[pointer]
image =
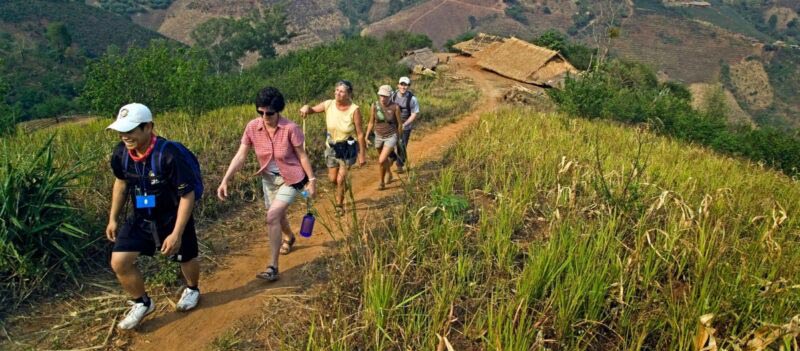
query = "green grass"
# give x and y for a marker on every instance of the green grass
(546, 231)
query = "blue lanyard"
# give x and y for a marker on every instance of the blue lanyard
(142, 179)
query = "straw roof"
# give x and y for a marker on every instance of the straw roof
(423, 57)
(477, 44)
(525, 62)
(488, 50)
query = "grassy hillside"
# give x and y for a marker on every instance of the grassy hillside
(543, 231)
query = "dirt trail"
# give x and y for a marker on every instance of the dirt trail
(233, 293)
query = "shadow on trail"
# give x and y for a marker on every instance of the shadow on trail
(219, 299)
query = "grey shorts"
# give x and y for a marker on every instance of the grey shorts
(276, 189)
(381, 142)
(332, 162)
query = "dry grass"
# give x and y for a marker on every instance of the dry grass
(543, 231)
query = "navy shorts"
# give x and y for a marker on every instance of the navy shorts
(136, 235)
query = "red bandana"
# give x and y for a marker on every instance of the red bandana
(146, 153)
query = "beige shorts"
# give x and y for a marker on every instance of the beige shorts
(275, 189)
(381, 142)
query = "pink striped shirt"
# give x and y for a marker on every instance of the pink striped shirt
(280, 147)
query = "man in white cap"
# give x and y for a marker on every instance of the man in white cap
(409, 109)
(157, 177)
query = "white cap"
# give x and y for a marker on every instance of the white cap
(130, 116)
(405, 80)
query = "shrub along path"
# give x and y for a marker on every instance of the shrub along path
(233, 293)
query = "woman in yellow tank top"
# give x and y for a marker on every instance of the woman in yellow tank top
(345, 142)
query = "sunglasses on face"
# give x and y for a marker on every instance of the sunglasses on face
(267, 113)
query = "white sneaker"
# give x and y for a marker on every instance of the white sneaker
(188, 300)
(136, 314)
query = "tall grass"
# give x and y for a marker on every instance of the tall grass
(543, 231)
(38, 227)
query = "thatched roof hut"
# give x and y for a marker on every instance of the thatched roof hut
(422, 57)
(525, 62)
(477, 44)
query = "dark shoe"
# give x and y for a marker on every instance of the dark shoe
(270, 274)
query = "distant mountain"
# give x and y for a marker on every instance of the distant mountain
(733, 42)
(45, 47)
(92, 29)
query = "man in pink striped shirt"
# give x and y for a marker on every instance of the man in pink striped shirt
(284, 168)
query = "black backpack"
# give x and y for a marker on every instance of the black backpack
(188, 155)
(407, 105)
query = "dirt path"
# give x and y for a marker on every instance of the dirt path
(233, 293)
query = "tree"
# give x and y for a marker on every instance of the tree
(552, 39)
(715, 105)
(8, 117)
(163, 76)
(58, 38)
(228, 39)
(773, 22)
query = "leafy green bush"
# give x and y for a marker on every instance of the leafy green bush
(578, 55)
(312, 73)
(463, 37)
(39, 229)
(164, 76)
(516, 12)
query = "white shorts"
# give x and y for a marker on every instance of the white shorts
(275, 189)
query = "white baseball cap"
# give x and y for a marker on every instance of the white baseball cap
(130, 116)
(405, 80)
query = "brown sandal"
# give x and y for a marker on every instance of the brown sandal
(287, 245)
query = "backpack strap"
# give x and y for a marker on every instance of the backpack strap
(153, 162)
(125, 161)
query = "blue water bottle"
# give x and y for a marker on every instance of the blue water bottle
(307, 227)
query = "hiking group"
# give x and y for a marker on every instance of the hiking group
(162, 181)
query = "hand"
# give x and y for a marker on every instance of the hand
(311, 188)
(171, 245)
(369, 143)
(111, 231)
(222, 190)
(304, 111)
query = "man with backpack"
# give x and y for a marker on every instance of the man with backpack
(409, 109)
(162, 179)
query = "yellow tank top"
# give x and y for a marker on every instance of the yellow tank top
(340, 123)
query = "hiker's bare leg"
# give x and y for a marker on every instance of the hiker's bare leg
(275, 215)
(124, 266)
(333, 175)
(286, 229)
(191, 271)
(385, 163)
(341, 178)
